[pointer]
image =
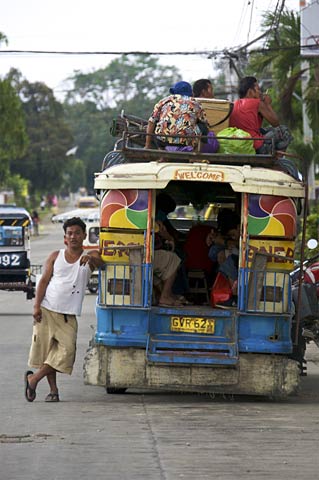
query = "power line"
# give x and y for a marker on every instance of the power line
(209, 53)
(133, 52)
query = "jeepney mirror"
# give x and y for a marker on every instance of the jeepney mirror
(312, 244)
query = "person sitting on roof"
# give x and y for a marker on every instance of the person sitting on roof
(248, 114)
(178, 115)
(203, 88)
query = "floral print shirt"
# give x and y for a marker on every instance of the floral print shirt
(178, 115)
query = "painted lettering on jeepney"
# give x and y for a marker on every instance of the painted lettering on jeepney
(108, 249)
(109, 240)
(215, 176)
(275, 249)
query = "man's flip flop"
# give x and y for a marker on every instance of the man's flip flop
(29, 393)
(52, 397)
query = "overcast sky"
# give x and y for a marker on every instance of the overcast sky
(108, 25)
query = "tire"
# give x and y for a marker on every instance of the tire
(30, 294)
(299, 350)
(92, 289)
(115, 391)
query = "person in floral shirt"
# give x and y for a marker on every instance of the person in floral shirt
(177, 114)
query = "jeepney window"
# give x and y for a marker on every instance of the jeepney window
(94, 234)
(11, 236)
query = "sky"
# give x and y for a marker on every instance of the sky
(122, 26)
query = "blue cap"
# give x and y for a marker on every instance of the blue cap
(181, 88)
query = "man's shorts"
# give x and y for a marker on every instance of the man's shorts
(54, 341)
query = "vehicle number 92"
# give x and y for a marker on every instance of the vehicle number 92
(10, 260)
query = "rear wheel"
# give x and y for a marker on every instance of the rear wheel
(299, 349)
(117, 391)
(30, 290)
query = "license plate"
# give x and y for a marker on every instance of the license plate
(192, 325)
(11, 260)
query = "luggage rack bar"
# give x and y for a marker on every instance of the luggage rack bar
(140, 154)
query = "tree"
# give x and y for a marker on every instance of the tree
(74, 176)
(124, 79)
(44, 162)
(89, 126)
(13, 138)
(280, 60)
(132, 84)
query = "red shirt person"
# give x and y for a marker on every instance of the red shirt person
(249, 112)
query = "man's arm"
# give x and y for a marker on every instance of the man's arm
(93, 258)
(42, 285)
(266, 110)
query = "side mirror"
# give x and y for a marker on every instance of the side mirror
(312, 244)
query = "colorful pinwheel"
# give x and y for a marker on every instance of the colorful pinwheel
(124, 209)
(271, 216)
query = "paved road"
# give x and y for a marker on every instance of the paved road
(155, 436)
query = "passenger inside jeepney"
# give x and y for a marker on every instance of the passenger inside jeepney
(166, 264)
(224, 249)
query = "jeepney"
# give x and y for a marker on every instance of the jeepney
(254, 345)
(15, 249)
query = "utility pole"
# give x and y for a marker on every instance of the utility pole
(308, 40)
(307, 131)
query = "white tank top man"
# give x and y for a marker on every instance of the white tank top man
(58, 300)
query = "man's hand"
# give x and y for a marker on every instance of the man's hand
(37, 314)
(88, 259)
(267, 99)
(93, 258)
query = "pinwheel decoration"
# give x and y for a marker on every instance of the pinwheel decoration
(271, 216)
(125, 209)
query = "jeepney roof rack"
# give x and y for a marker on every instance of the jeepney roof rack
(129, 148)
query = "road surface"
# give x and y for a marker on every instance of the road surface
(140, 435)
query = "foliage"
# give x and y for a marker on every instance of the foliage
(307, 152)
(3, 38)
(124, 79)
(20, 187)
(50, 137)
(280, 60)
(312, 232)
(132, 84)
(13, 139)
(73, 176)
(89, 127)
(312, 97)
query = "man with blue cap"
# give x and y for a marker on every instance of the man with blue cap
(175, 119)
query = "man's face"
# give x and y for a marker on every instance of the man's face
(74, 236)
(255, 90)
(208, 92)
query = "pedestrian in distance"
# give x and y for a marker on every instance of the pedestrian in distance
(35, 222)
(58, 302)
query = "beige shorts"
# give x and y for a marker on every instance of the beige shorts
(165, 264)
(54, 341)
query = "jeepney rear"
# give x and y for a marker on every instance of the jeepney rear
(252, 346)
